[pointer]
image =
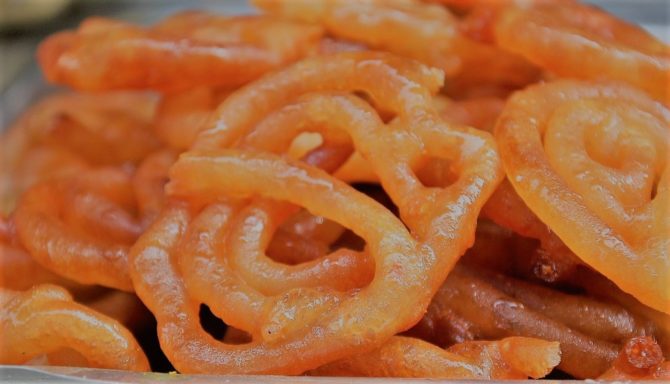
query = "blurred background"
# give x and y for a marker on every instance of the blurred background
(23, 23)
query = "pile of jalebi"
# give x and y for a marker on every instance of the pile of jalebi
(462, 189)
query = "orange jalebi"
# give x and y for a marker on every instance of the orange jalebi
(66, 133)
(406, 357)
(346, 114)
(18, 270)
(189, 49)
(44, 319)
(81, 226)
(248, 309)
(602, 187)
(580, 41)
(424, 32)
(321, 335)
(148, 183)
(293, 192)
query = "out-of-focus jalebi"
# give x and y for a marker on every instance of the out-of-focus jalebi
(44, 320)
(337, 188)
(186, 50)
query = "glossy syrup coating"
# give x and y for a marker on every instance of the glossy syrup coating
(351, 325)
(186, 50)
(18, 270)
(407, 85)
(479, 112)
(417, 133)
(580, 41)
(424, 32)
(484, 311)
(335, 116)
(590, 160)
(81, 227)
(45, 319)
(603, 289)
(234, 288)
(640, 358)
(509, 358)
(552, 261)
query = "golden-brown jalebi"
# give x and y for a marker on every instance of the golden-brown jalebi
(488, 312)
(552, 261)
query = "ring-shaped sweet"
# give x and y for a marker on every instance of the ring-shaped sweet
(357, 322)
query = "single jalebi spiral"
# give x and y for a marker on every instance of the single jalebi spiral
(252, 293)
(590, 160)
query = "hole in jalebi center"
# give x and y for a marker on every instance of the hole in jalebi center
(211, 324)
(304, 236)
(437, 172)
(216, 328)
